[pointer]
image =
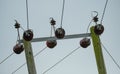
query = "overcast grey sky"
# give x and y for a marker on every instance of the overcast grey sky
(77, 16)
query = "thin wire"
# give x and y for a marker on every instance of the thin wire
(6, 58)
(104, 11)
(27, 14)
(51, 31)
(95, 15)
(111, 56)
(54, 28)
(18, 68)
(62, 12)
(89, 25)
(40, 52)
(22, 28)
(61, 60)
(25, 62)
(18, 34)
(92, 19)
(17, 39)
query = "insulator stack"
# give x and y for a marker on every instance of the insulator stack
(51, 43)
(98, 29)
(18, 48)
(85, 42)
(60, 33)
(28, 35)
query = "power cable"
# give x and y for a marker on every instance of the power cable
(89, 25)
(51, 31)
(63, 6)
(18, 68)
(40, 51)
(111, 56)
(104, 11)
(6, 58)
(27, 14)
(25, 62)
(61, 60)
(18, 34)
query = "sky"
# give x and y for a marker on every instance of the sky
(77, 15)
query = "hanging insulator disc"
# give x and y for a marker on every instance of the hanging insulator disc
(51, 43)
(60, 33)
(98, 29)
(28, 35)
(85, 42)
(18, 48)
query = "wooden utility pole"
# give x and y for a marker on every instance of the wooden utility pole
(29, 57)
(98, 52)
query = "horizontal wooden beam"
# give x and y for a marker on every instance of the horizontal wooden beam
(54, 38)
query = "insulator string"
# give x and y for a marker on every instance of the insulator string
(6, 58)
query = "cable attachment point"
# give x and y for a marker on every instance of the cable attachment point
(17, 25)
(95, 18)
(52, 22)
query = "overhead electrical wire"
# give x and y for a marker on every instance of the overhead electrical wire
(63, 6)
(18, 68)
(89, 25)
(6, 58)
(25, 62)
(40, 51)
(61, 60)
(110, 56)
(51, 32)
(104, 11)
(27, 14)
(18, 34)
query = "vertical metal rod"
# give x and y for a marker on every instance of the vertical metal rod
(29, 57)
(98, 52)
